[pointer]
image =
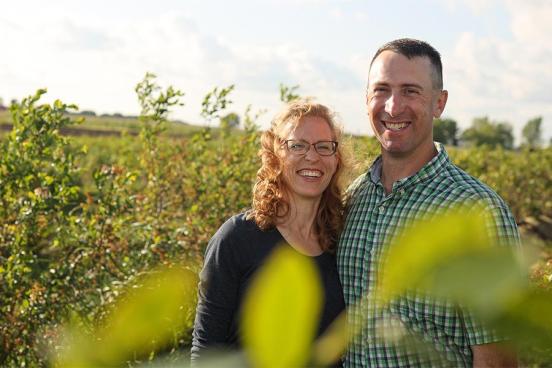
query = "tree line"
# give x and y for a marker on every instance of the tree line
(484, 131)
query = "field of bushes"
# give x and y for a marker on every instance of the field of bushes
(83, 217)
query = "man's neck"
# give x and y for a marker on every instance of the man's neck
(397, 167)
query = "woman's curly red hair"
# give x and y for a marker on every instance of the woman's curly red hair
(270, 203)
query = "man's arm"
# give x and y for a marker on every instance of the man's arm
(498, 354)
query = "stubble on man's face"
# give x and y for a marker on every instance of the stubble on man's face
(402, 102)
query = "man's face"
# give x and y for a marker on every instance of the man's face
(402, 103)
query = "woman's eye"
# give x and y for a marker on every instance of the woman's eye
(297, 146)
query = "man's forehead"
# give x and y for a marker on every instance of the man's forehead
(390, 66)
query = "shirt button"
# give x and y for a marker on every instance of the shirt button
(401, 191)
(381, 209)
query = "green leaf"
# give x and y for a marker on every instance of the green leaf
(528, 320)
(330, 346)
(281, 311)
(147, 318)
(426, 246)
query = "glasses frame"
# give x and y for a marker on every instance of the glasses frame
(309, 145)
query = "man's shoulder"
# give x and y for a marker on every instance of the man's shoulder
(458, 182)
(358, 186)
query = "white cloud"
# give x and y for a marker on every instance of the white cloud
(96, 63)
(508, 79)
(477, 7)
(110, 60)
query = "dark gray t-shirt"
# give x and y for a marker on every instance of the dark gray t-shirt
(233, 256)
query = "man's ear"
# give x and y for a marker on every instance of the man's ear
(440, 104)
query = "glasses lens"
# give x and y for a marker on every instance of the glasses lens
(297, 146)
(325, 148)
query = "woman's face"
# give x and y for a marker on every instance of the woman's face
(307, 175)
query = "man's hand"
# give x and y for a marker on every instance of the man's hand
(494, 355)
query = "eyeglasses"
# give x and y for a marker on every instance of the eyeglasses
(301, 147)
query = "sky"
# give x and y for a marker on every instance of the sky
(497, 54)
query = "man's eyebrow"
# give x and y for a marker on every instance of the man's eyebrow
(412, 85)
(379, 84)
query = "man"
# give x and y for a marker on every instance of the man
(413, 178)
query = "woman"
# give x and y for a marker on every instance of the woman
(296, 200)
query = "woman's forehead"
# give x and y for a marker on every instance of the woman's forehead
(308, 125)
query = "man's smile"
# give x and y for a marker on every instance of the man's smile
(395, 126)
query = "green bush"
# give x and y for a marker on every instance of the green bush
(82, 218)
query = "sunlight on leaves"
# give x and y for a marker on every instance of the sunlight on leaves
(528, 319)
(330, 346)
(281, 311)
(150, 314)
(427, 245)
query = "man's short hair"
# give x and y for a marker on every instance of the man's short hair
(412, 48)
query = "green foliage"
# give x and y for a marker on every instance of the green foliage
(460, 262)
(230, 120)
(445, 131)
(281, 311)
(151, 312)
(424, 248)
(69, 249)
(214, 102)
(83, 218)
(521, 178)
(486, 132)
(531, 133)
(39, 196)
(287, 94)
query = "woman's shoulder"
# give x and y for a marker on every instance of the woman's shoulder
(237, 231)
(240, 236)
(237, 226)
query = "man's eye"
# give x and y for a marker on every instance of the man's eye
(411, 91)
(379, 90)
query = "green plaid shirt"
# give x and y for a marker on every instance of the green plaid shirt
(373, 218)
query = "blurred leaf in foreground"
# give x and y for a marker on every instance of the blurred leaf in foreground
(428, 245)
(454, 257)
(152, 312)
(331, 345)
(281, 311)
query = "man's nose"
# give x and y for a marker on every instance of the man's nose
(394, 105)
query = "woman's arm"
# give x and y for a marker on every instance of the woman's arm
(217, 295)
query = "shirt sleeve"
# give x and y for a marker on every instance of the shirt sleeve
(477, 332)
(217, 295)
(502, 228)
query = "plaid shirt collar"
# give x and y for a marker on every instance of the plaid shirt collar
(428, 171)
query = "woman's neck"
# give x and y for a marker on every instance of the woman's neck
(298, 226)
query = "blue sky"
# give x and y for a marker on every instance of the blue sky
(497, 54)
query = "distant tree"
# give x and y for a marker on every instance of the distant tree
(215, 102)
(1, 101)
(486, 132)
(231, 120)
(287, 94)
(88, 113)
(531, 133)
(445, 131)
